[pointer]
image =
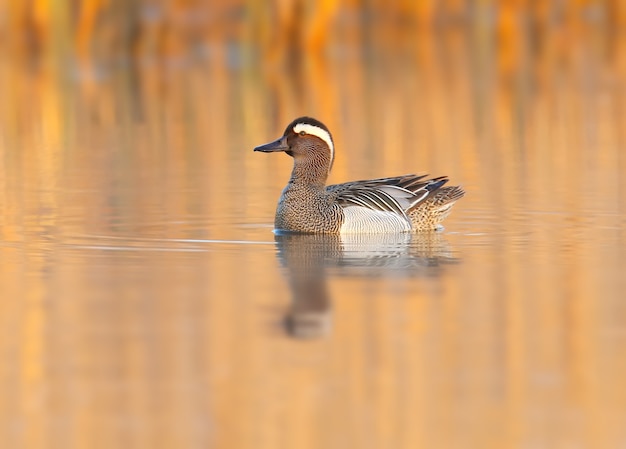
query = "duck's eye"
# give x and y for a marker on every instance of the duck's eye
(302, 133)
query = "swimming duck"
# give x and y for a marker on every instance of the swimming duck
(405, 203)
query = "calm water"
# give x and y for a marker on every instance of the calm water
(146, 303)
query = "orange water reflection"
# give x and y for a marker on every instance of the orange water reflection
(143, 293)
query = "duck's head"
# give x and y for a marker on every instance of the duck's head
(306, 140)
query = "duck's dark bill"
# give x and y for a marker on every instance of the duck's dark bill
(277, 145)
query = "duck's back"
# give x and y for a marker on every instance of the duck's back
(399, 204)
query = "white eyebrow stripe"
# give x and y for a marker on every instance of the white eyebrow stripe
(317, 132)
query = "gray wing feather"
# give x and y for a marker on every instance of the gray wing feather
(371, 198)
(399, 194)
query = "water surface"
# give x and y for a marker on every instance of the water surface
(146, 302)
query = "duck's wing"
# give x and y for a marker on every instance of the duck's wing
(398, 194)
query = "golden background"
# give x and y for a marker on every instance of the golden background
(142, 293)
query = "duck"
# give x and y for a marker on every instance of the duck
(399, 204)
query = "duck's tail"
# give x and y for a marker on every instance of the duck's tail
(435, 208)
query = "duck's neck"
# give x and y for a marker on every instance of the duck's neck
(311, 172)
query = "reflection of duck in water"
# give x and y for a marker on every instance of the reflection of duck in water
(308, 258)
(387, 205)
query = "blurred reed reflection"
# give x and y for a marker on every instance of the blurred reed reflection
(310, 261)
(137, 260)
